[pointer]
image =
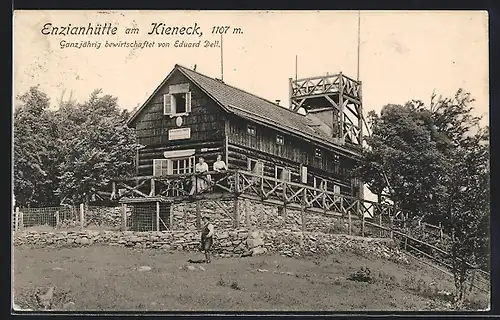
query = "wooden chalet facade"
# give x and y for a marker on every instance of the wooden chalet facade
(191, 115)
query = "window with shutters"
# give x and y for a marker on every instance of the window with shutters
(281, 173)
(280, 140)
(256, 166)
(251, 130)
(320, 183)
(177, 104)
(160, 167)
(182, 165)
(317, 153)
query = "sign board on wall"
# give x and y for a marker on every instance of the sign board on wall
(179, 134)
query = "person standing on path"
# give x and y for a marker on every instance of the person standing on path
(207, 233)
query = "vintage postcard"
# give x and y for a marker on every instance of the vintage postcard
(250, 161)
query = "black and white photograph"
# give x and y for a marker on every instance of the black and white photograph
(250, 161)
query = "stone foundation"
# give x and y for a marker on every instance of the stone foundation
(228, 243)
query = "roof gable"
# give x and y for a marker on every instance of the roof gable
(249, 106)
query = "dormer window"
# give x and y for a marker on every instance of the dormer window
(280, 139)
(251, 130)
(178, 101)
(317, 153)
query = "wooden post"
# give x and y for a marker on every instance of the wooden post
(406, 242)
(341, 106)
(363, 225)
(16, 225)
(392, 227)
(236, 205)
(21, 220)
(184, 217)
(113, 191)
(247, 214)
(236, 213)
(303, 210)
(82, 215)
(350, 221)
(157, 213)
(198, 215)
(380, 223)
(440, 232)
(152, 193)
(170, 217)
(57, 218)
(124, 217)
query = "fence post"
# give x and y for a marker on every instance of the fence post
(16, 226)
(440, 232)
(124, 216)
(392, 226)
(21, 219)
(350, 221)
(82, 215)
(198, 215)
(380, 224)
(157, 215)
(57, 218)
(170, 217)
(303, 209)
(247, 214)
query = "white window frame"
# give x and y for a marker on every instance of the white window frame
(169, 100)
(250, 167)
(186, 165)
(163, 163)
(316, 151)
(251, 128)
(278, 138)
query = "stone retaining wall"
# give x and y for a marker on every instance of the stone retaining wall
(227, 243)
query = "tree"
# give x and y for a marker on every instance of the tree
(96, 146)
(35, 176)
(68, 154)
(436, 161)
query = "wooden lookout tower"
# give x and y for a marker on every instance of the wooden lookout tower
(334, 103)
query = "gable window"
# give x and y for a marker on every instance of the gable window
(178, 101)
(251, 130)
(317, 153)
(280, 139)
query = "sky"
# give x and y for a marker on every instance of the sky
(403, 55)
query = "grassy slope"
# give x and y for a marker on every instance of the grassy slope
(103, 278)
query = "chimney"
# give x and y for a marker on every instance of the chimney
(278, 102)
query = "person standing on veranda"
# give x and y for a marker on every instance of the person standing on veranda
(201, 182)
(207, 233)
(219, 165)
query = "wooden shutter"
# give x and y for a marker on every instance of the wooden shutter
(258, 168)
(336, 189)
(173, 102)
(285, 175)
(167, 104)
(157, 167)
(166, 167)
(188, 102)
(303, 174)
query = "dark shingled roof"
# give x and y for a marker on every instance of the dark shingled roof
(250, 106)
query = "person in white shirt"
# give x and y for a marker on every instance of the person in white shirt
(207, 233)
(202, 181)
(219, 164)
